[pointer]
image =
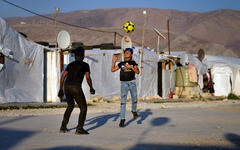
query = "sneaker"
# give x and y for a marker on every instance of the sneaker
(121, 124)
(64, 130)
(81, 131)
(135, 115)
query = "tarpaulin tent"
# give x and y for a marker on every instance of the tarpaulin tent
(225, 71)
(107, 83)
(21, 80)
(25, 75)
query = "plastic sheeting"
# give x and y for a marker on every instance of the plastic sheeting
(21, 79)
(182, 77)
(236, 81)
(221, 77)
(166, 83)
(107, 83)
(52, 74)
(222, 86)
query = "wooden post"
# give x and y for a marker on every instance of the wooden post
(61, 61)
(115, 38)
(122, 54)
(55, 22)
(168, 26)
(143, 34)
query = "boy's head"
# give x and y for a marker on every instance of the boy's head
(79, 53)
(128, 53)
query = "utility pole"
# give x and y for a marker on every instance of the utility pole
(168, 27)
(61, 52)
(55, 22)
(143, 34)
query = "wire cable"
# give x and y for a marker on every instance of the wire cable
(62, 22)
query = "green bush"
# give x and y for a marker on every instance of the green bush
(232, 96)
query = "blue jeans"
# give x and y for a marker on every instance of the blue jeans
(125, 87)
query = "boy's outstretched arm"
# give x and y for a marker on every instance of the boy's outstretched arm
(114, 60)
(89, 81)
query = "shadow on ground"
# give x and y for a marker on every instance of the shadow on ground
(142, 117)
(10, 137)
(233, 138)
(71, 148)
(102, 120)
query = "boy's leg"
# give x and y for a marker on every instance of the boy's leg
(124, 92)
(133, 92)
(69, 109)
(82, 104)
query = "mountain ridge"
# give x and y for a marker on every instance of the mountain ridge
(219, 27)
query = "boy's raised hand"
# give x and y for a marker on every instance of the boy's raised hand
(128, 66)
(114, 59)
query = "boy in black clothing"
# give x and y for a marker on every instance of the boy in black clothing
(75, 72)
(127, 77)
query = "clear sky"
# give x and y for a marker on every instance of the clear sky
(48, 6)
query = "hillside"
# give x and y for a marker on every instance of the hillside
(218, 32)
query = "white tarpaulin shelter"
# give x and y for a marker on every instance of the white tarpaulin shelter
(222, 78)
(29, 74)
(22, 77)
(107, 83)
(226, 74)
(21, 80)
(225, 71)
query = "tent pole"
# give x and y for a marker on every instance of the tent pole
(168, 26)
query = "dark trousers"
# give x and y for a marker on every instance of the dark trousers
(74, 92)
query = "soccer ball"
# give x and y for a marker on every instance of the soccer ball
(129, 26)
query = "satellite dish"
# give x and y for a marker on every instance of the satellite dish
(126, 42)
(63, 39)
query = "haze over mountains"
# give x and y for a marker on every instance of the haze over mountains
(217, 32)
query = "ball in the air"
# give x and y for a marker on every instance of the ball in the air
(129, 26)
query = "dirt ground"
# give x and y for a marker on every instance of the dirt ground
(195, 125)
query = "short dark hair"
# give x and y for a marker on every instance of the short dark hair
(129, 49)
(79, 53)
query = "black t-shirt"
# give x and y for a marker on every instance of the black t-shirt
(76, 71)
(127, 74)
